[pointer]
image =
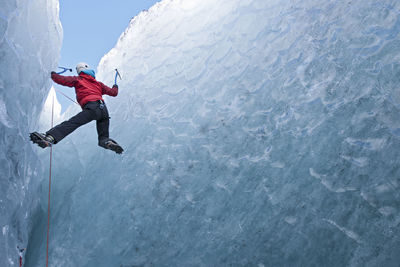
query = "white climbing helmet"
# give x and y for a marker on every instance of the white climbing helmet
(81, 66)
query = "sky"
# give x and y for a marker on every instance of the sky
(91, 28)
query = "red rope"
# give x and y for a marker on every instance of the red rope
(67, 96)
(48, 203)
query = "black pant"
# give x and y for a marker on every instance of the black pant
(95, 110)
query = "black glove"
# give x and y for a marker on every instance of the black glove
(53, 72)
(115, 85)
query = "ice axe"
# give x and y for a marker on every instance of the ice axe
(117, 75)
(64, 70)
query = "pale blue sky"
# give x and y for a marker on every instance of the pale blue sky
(91, 29)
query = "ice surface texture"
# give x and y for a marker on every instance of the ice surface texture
(30, 42)
(257, 133)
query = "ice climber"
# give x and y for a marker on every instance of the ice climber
(89, 93)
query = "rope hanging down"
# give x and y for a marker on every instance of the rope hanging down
(48, 203)
(51, 157)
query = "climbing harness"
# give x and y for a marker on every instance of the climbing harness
(101, 104)
(63, 70)
(117, 75)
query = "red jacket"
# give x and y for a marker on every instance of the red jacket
(86, 87)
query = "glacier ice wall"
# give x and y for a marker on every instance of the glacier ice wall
(30, 42)
(257, 133)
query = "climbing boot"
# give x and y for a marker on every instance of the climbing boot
(112, 145)
(42, 140)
